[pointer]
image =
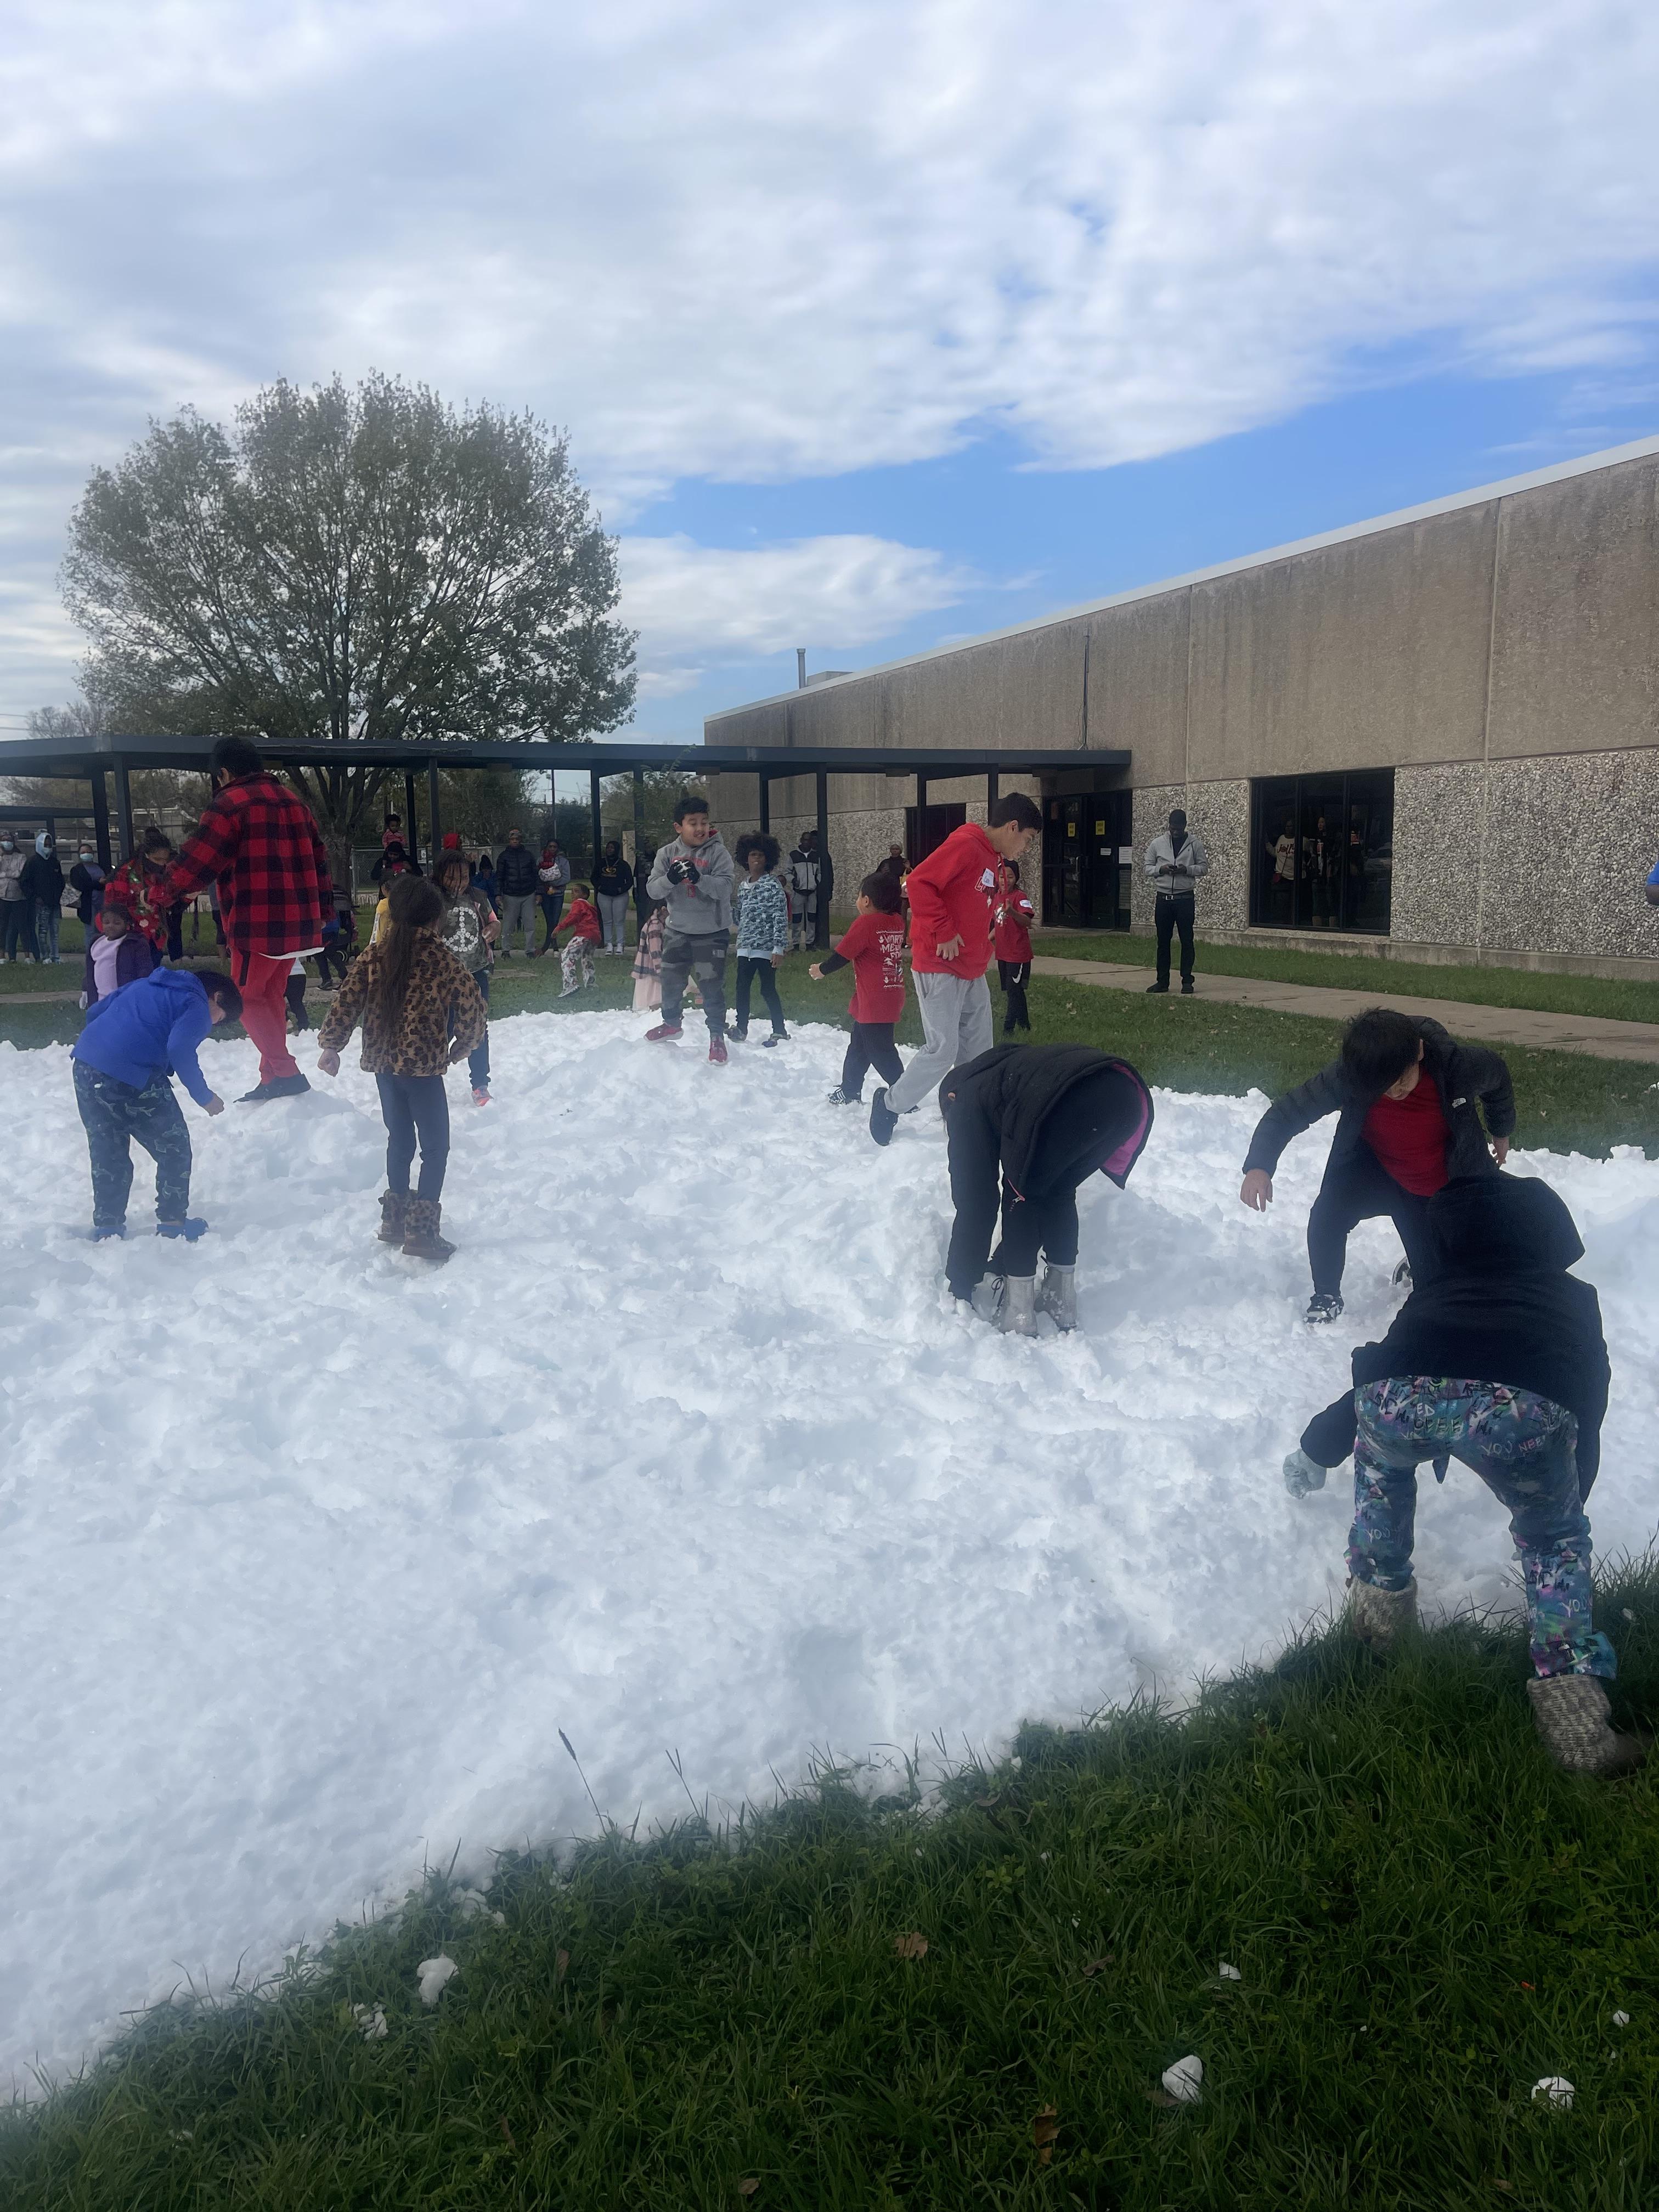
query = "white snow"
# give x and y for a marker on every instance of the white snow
(433, 1978)
(307, 1553)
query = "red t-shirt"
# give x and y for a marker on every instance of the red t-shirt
(874, 945)
(1408, 1136)
(1011, 938)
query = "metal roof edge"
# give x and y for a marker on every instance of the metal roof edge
(1558, 472)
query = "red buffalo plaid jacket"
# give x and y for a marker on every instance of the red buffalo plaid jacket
(258, 842)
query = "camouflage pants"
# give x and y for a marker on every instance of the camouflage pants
(115, 1113)
(1522, 1448)
(703, 956)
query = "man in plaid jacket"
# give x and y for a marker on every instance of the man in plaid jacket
(258, 842)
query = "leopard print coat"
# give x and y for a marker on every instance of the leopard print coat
(443, 1011)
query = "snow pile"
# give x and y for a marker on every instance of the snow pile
(307, 1553)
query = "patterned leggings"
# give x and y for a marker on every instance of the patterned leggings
(1522, 1446)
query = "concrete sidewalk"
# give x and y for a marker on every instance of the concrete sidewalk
(1588, 1033)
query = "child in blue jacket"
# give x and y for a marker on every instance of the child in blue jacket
(133, 1043)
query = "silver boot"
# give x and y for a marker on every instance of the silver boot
(1572, 1714)
(1379, 1618)
(1058, 1296)
(1018, 1316)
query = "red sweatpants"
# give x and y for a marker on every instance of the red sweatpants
(263, 983)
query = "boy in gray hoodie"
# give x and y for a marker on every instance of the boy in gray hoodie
(691, 875)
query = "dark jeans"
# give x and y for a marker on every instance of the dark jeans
(552, 906)
(294, 992)
(20, 927)
(1036, 1226)
(477, 1061)
(1360, 1189)
(870, 1045)
(1014, 975)
(113, 1115)
(176, 931)
(703, 956)
(339, 950)
(751, 972)
(1175, 912)
(416, 1109)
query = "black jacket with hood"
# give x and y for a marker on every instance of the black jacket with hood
(1466, 1076)
(1501, 1308)
(996, 1108)
(515, 873)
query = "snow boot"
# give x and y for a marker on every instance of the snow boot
(778, 1036)
(1379, 1618)
(1402, 1276)
(1018, 1314)
(191, 1230)
(1323, 1306)
(394, 1215)
(838, 1097)
(420, 1226)
(111, 1229)
(280, 1087)
(737, 1036)
(882, 1120)
(665, 1032)
(717, 1051)
(1572, 1714)
(1058, 1296)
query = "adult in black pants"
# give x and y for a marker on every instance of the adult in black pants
(1175, 861)
(1027, 1124)
(1409, 1099)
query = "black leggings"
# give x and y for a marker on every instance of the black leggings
(759, 971)
(1045, 1225)
(416, 1109)
(1014, 975)
(870, 1045)
(1358, 1190)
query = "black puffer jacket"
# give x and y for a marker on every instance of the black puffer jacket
(1467, 1077)
(515, 873)
(1502, 1309)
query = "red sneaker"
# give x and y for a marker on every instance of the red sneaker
(664, 1033)
(717, 1051)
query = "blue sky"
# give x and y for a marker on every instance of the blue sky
(874, 323)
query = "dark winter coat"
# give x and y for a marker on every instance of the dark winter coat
(86, 881)
(515, 873)
(997, 1109)
(1466, 1077)
(613, 879)
(1501, 1308)
(43, 879)
(135, 958)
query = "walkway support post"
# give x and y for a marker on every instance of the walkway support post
(920, 853)
(765, 783)
(101, 818)
(993, 790)
(411, 843)
(434, 827)
(822, 939)
(639, 819)
(123, 807)
(599, 821)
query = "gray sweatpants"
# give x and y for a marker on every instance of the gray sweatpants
(613, 916)
(519, 913)
(958, 1024)
(704, 956)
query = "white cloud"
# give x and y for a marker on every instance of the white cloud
(760, 239)
(697, 606)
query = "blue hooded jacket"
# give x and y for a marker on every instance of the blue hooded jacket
(151, 1027)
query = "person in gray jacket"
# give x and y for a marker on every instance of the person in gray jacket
(1174, 862)
(691, 875)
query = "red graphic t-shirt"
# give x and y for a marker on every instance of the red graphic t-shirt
(874, 945)
(1408, 1136)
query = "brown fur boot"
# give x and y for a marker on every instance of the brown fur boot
(394, 1209)
(421, 1237)
(1572, 1718)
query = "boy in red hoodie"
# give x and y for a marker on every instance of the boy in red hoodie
(1012, 937)
(952, 894)
(874, 948)
(576, 960)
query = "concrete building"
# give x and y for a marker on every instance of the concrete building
(1435, 735)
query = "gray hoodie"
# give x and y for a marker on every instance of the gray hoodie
(695, 910)
(1191, 862)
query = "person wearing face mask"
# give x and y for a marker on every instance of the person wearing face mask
(1410, 1099)
(43, 885)
(13, 900)
(87, 882)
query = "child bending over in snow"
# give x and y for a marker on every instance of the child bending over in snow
(576, 960)
(874, 949)
(1497, 1359)
(420, 1013)
(135, 1039)
(1041, 1118)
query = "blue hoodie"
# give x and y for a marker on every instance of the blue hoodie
(149, 1028)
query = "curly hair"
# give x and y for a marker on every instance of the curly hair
(756, 841)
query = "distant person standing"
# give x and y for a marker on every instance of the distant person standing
(86, 879)
(692, 876)
(43, 882)
(515, 893)
(14, 903)
(258, 841)
(1174, 862)
(1012, 939)
(553, 878)
(613, 879)
(952, 892)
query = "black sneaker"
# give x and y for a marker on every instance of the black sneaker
(882, 1120)
(1323, 1306)
(737, 1036)
(280, 1087)
(1402, 1276)
(1157, 990)
(1185, 990)
(778, 1036)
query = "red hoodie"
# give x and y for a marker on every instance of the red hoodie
(950, 894)
(582, 920)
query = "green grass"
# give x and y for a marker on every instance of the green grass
(1618, 1001)
(1427, 1917)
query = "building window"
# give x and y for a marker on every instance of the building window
(1322, 854)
